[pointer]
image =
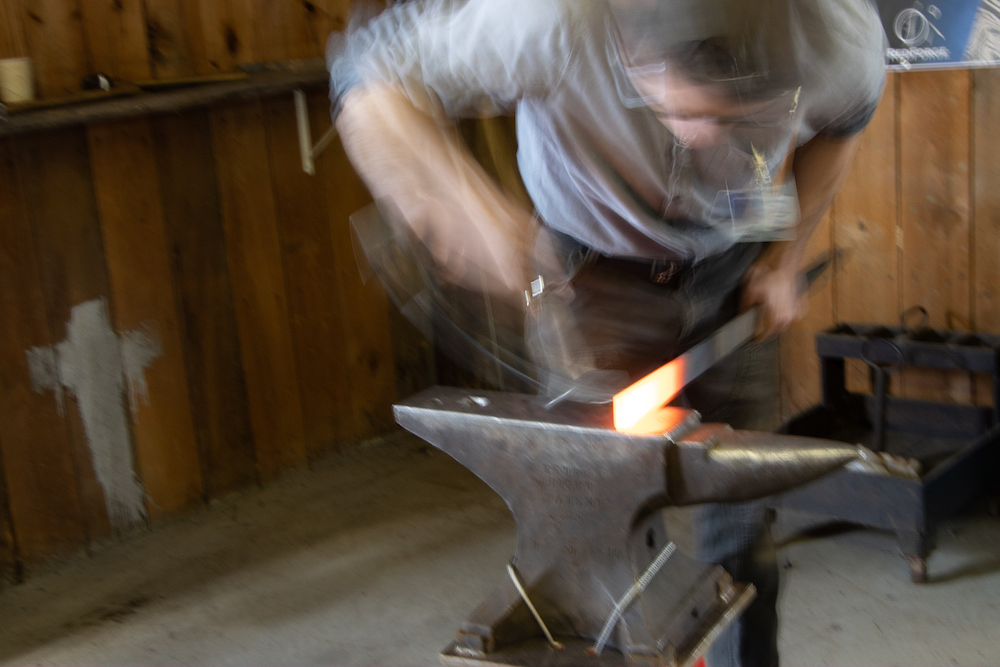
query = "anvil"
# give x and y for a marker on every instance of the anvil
(586, 501)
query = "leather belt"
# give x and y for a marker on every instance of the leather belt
(658, 271)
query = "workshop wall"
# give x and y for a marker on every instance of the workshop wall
(919, 220)
(182, 313)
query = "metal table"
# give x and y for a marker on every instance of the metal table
(958, 446)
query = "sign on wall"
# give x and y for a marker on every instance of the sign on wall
(942, 34)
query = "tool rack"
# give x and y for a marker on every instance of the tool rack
(958, 446)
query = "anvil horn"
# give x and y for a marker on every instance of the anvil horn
(715, 463)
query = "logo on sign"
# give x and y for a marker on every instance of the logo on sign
(912, 26)
(916, 32)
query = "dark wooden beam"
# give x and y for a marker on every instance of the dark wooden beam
(264, 84)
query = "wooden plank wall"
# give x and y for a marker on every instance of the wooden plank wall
(920, 223)
(243, 341)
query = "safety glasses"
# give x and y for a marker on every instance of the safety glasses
(652, 79)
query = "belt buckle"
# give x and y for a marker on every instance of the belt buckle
(663, 276)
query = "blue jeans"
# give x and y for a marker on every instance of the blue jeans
(628, 322)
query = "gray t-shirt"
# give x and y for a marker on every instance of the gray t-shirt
(597, 169)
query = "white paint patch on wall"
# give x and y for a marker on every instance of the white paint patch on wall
(95, 365)
(44, 370)
(139, 349)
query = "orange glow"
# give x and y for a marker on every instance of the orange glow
(659, 421)
(658, 388)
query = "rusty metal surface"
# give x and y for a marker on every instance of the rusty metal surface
(584, 498)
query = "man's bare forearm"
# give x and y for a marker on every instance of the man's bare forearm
(422, 166)
(772, 283)
(391, 144)
(820, 167)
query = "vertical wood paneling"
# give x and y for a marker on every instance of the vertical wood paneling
(494, 143)
(13, 43)
(137, 251)
(799, 365)
(193, 28)
(219, 40)
(54, 33)
(43, 491)
(934, 185)
(281, 29)
(312, 282)
(211, 343)
(228, 33)
(170, 45)
(243, 18)
(867, 280)
(865, 224)
(986, 207)
(986, 192)
(115, 32)
(254, 247)
(9, 566)
(324, 17)
(59, 191)
(364, 317)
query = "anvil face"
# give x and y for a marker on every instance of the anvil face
(583, 498)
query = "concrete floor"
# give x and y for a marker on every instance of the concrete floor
(374, 557)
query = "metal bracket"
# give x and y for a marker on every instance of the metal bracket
(306, 148)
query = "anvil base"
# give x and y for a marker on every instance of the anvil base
(537, 653)
(575, 652)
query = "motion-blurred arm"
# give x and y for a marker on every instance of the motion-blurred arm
(820, 166)
(399, 83)
(477, 234)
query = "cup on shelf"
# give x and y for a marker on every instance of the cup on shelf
(16, 81)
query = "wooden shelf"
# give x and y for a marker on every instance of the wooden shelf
(136, 102)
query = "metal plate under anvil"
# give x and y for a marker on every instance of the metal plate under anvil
(538, 653)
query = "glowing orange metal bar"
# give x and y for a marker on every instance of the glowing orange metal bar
(658, 388)
(634, 403)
